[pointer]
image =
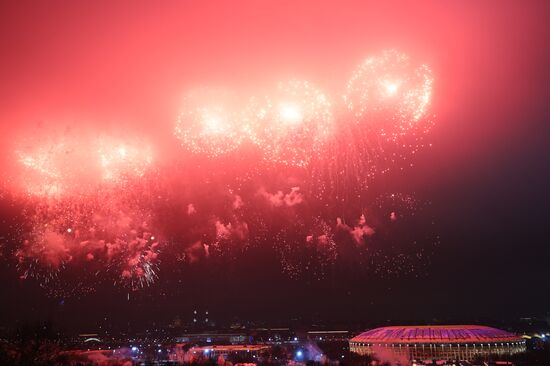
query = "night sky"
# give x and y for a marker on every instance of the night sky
(482, 185)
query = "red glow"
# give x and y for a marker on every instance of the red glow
(121, 146)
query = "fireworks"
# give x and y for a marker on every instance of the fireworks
(292, 125)
(120, 161)
(209, 124)
(102, 209)
(86, 201)
(405, 237)
(384, 124)
(106, 228)
(388, 95)
(74, 163)
(307, 250)
(288, 127)
(51, 166)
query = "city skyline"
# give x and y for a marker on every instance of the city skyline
(273, 163)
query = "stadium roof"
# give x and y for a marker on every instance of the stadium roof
(435, 334)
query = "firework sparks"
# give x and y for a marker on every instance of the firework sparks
(389, 95)
(75, 163)
(95, 206)
(209, 124)
(81, 205)
(292, 125)
(119, 160)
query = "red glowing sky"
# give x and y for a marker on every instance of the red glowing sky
(127, 65)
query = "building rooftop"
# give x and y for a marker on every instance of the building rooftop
(436, 334)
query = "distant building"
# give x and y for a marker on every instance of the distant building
(447, 342)
(214, 338)
(328, 335)
(245, 350)
(274, 335)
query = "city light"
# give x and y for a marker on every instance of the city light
(280, 183)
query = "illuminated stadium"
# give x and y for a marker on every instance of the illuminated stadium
(445, 342)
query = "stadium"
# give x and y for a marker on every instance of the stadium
(444, 342)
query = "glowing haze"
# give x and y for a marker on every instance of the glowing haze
(270, 169)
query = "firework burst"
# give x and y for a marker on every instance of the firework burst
(292, 125)
(284, 172)
(209, 124)
(390, 96)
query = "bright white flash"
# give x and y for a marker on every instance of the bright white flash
(390, 87)
(214, 123)
(290, 113)
(122, 151)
